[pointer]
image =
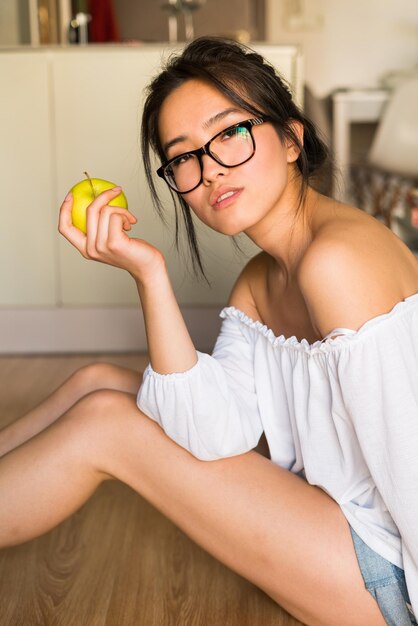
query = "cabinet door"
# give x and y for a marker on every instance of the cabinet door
(28, 269)
(97, 96)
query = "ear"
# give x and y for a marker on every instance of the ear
(293, 151)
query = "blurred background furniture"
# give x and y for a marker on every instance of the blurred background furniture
(350, 106)
(318, 110)
(43, 22)
(382, 183)
(185, 9)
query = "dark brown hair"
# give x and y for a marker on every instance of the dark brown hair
(249, 81)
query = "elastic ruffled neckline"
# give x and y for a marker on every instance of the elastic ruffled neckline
(324, 345)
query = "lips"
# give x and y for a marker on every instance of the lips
(221, 195)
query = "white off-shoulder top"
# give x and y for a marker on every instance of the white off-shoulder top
(343, 411)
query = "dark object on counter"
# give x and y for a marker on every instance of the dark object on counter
(103, 27)
(96, 23)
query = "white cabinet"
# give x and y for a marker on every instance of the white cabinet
(97, 100)
(66, 110)
(28, 245)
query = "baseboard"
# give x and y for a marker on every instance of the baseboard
(112, 329)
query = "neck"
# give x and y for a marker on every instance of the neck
(286, 232)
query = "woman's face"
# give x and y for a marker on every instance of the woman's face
(190, 116)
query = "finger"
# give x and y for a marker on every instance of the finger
(105, 197)
(104, 200)
(93, 212)
(103, 225)
(116, 234)
(129, 219)
(65, 220)
(67, 229)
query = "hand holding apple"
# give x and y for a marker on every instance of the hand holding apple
(105, 240)
(85, 192)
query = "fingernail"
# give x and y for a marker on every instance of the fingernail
(68, 196)
(117, 189)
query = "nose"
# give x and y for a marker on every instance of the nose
(211, 169)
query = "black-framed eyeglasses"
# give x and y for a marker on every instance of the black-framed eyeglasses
(231, 147)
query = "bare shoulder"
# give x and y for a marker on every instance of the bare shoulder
(243, 294)
(353, 270)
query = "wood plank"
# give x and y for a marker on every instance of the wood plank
(117, 561)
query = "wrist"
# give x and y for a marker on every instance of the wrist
(152, 274)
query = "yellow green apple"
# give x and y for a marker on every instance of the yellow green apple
(85, 192)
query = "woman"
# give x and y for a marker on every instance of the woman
(327, 525)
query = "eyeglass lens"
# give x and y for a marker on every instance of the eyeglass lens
(231, 148)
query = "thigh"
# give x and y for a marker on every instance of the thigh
(269, 525)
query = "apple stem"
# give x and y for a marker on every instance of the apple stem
(91, 184)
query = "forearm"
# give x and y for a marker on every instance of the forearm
(169, 343)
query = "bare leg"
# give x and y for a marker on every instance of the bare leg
(285, 536)
(84, 381)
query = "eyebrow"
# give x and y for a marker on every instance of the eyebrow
(207, 124)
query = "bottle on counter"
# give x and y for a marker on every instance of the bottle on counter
(413, 206)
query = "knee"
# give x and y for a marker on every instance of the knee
(99, 416)
(95, 376)
(102, 404)
(95, 426)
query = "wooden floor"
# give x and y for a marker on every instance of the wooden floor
(118, 561)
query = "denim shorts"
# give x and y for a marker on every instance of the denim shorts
(386, 583)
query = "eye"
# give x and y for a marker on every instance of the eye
(181, 159)
(234, 132)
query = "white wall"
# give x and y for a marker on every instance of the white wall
(347, 43)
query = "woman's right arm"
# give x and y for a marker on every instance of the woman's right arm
(212, 409)
(169, 344)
